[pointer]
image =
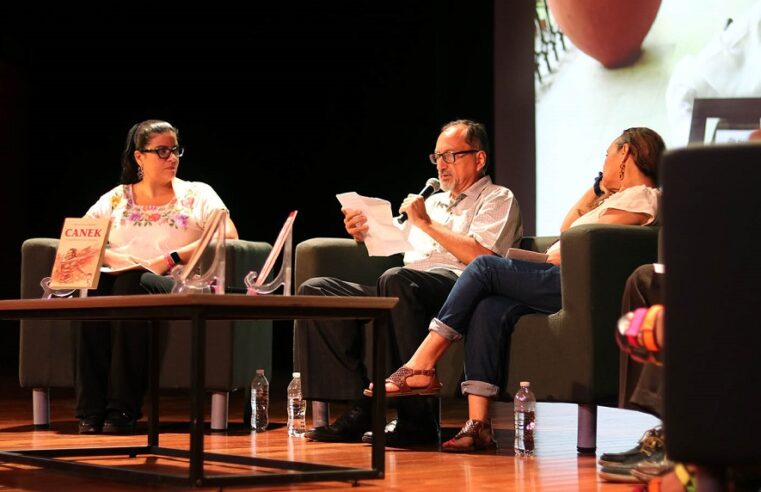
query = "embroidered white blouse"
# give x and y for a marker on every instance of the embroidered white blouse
(147, 231)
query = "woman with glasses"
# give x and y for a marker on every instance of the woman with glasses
(493, 292)
(156, 221)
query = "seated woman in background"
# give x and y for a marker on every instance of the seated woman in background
(493, 292)
(156, 222)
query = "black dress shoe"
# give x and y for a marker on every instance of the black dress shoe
(367, 437)
(119, 423)
(347, 428)
(92, 424)
(407, 435)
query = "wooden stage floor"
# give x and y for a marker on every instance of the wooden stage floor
(556, 465)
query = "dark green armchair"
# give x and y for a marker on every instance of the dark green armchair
(569, 356)
(234, 349)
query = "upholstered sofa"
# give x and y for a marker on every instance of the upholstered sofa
(569, 356)
(234, 349)
(713, 285)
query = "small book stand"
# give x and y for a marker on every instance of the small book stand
(255, 281)
(48, 293)
(212, 281)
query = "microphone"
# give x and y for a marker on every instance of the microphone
(431, 187)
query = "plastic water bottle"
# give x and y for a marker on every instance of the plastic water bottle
(297, 408)
(525, 420)
(260, 402)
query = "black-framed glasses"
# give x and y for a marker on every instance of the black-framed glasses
(164, 152)
(449, 156)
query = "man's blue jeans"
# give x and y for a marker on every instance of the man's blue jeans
(484, 305)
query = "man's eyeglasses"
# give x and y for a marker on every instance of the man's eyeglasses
(449, 157)
(164, 152)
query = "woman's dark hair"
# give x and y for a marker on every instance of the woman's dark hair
(475, 136)
(137, 138)
(646, 148)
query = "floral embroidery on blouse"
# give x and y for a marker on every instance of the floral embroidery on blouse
(175, 214)
(115, 199)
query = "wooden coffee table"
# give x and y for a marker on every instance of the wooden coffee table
(198, 309)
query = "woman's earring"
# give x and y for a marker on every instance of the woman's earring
(621, 172)
(140, 172)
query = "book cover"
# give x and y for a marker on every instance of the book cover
(80, 253)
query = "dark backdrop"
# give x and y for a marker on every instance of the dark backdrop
(279, 108)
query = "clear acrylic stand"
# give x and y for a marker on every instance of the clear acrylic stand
(212, 281)
(282, 278)
(48, 293)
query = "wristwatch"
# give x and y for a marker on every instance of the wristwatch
(175, 256)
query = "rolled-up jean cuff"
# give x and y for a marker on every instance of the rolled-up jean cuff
(444, 330)
(479, 388)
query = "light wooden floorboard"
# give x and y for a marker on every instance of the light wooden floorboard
(556, 465)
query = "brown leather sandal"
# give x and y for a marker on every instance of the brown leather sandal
(399, 378)
(475, 435)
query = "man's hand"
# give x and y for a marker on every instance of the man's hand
(414, 207)
(355, 223)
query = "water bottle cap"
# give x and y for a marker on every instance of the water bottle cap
(525, 384)
(260, 371)
(297, 374)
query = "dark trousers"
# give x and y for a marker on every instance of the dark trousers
(330, 353)
(642, 384)
(112, 356)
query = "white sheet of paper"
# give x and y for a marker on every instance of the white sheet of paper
(384, 237)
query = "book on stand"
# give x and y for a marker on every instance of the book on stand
(80, 253)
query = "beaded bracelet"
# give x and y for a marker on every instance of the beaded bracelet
(634, 326)
(648, 328)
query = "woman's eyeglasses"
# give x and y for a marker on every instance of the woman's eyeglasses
(164, 152)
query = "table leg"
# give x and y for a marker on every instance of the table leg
(380, 335)
(153, 384)
(198, 373)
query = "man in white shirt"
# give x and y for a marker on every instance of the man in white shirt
(473, 217)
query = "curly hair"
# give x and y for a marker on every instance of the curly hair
(646, 148)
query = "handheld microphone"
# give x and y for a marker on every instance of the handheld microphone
(431, 187)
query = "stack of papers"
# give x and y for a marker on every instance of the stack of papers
(385, 236)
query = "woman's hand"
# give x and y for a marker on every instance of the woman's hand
(157, 265)
(553, 256)
(117, 261)
(355, 223)
(606, 192)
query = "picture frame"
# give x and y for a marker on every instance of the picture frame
(724, 120)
